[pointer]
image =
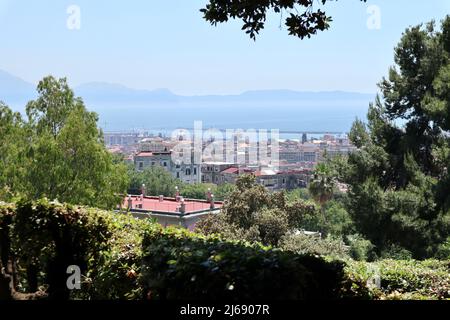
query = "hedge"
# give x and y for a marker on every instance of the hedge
(43, 238)
(402, 279)
(124, 258)
(178, 264)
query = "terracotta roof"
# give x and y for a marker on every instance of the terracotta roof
(169, 205)
(231, 171)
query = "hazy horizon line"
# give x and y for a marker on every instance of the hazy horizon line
(239, 93)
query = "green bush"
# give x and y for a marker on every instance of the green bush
(272, 225)
(42, 239)
(402, 279)
(306, 244)
(115, 275)
(298, 194)
(360, 249)
(444, 250)
(178, 264)
(124, 258)
(337, 220)
(396, 252)
(252, 213)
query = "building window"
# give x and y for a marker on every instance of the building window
(165, 164)
(153, 163)
(141, 165)
(195, 171)
(178, 175)
(188, 172)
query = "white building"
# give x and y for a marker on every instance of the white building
(155, 152)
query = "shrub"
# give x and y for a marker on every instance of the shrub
(360, 249)
(272, 225)
(298, 194)
(197, 191)
(217, 224)
(115, 275)
(338, 221)
(402, 279)
(444, 250)
(178, 264)
(396, 252)
(42, 239)
(6, 213)
(306, 244)
(124, 258)
(48, 237)
(252, 213)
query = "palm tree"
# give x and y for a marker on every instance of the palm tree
(322, 186)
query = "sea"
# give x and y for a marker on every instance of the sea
(291, 119)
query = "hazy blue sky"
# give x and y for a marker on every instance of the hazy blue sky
(166, 44)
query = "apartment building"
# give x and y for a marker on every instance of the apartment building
(157, 153)
(212, 171)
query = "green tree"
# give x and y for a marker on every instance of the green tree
(198, 190)
(13, 160)
(398, 180)
(59, 153)
(298, 194)
(322, 187)
(252, 213)
(157, 181)
(360, 249)
(51, 110)
(358, 134)
(304, 17)
(272, 225)
(305, 244)
(223, 191)
(338, 221)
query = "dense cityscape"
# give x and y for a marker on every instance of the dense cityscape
(297, 159)
(294, 169)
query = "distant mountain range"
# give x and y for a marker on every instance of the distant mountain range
(123, 108)
(14, 90)
(17, 92)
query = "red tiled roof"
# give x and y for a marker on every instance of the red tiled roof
(231, 170)
(169, 205)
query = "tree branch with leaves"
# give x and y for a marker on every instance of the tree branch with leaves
(304, 18)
